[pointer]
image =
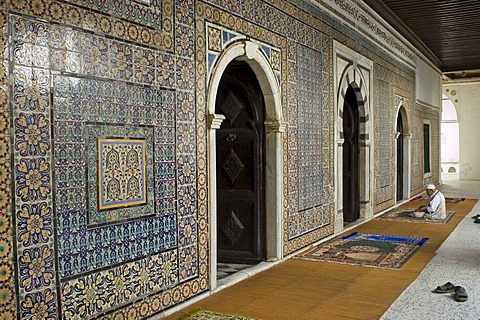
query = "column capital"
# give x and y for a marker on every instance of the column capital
(214, 121)
(275, 126)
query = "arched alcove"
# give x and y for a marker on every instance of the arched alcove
(450, 138)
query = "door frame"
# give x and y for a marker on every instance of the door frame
(251, 53)
(353, 69)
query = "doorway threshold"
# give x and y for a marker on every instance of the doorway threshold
(243, 272)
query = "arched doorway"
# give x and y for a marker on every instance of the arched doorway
(351, 164)
(400, 148)
(403, 137)
(252, 54)
(240, 145)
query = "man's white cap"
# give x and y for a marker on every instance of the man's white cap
(430, 186)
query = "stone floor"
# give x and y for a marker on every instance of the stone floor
(457, 261)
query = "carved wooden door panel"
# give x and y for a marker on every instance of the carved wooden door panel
(240, 167)
(351, 169)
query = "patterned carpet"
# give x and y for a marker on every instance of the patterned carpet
(209, 315)
(404, 215)
(375, 250)
(427, 198)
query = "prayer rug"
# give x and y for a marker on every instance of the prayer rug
(404, 215)
(209, 315)
(427, 198)
(375, 250)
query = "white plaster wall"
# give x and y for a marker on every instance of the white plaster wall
(466, 98)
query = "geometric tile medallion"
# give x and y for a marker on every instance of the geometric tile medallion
(121, 173)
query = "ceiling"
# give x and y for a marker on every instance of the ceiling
(445, 31)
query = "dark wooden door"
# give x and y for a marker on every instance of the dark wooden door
(240, 167)
(351, 189)
(400, 157)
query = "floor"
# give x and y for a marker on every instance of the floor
(457, 260)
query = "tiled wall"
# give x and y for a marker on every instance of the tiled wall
(281, 34)
(110, 96)
(388, 80)
(100, 100)
(7, 229)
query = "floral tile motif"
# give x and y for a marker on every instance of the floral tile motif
(36, 268)
(31, 89)
(32, 177)
(32, 134)
(40, 303)
(34, 224)
(166, 68)
(184, 11)
(188, 262)
(185, 74)
(184, 41)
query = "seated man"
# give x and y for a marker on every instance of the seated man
(436, 208)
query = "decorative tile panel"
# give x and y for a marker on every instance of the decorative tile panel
(149, 23)
(95, 293)
(80, 106)
(313, 140)
(385, 103)
(121, 173)
(95, 110)
(32, 169)
(310, 124)
(390, 83)
(7, 268)
(123, 206)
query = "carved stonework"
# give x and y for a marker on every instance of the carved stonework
(233, 228)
